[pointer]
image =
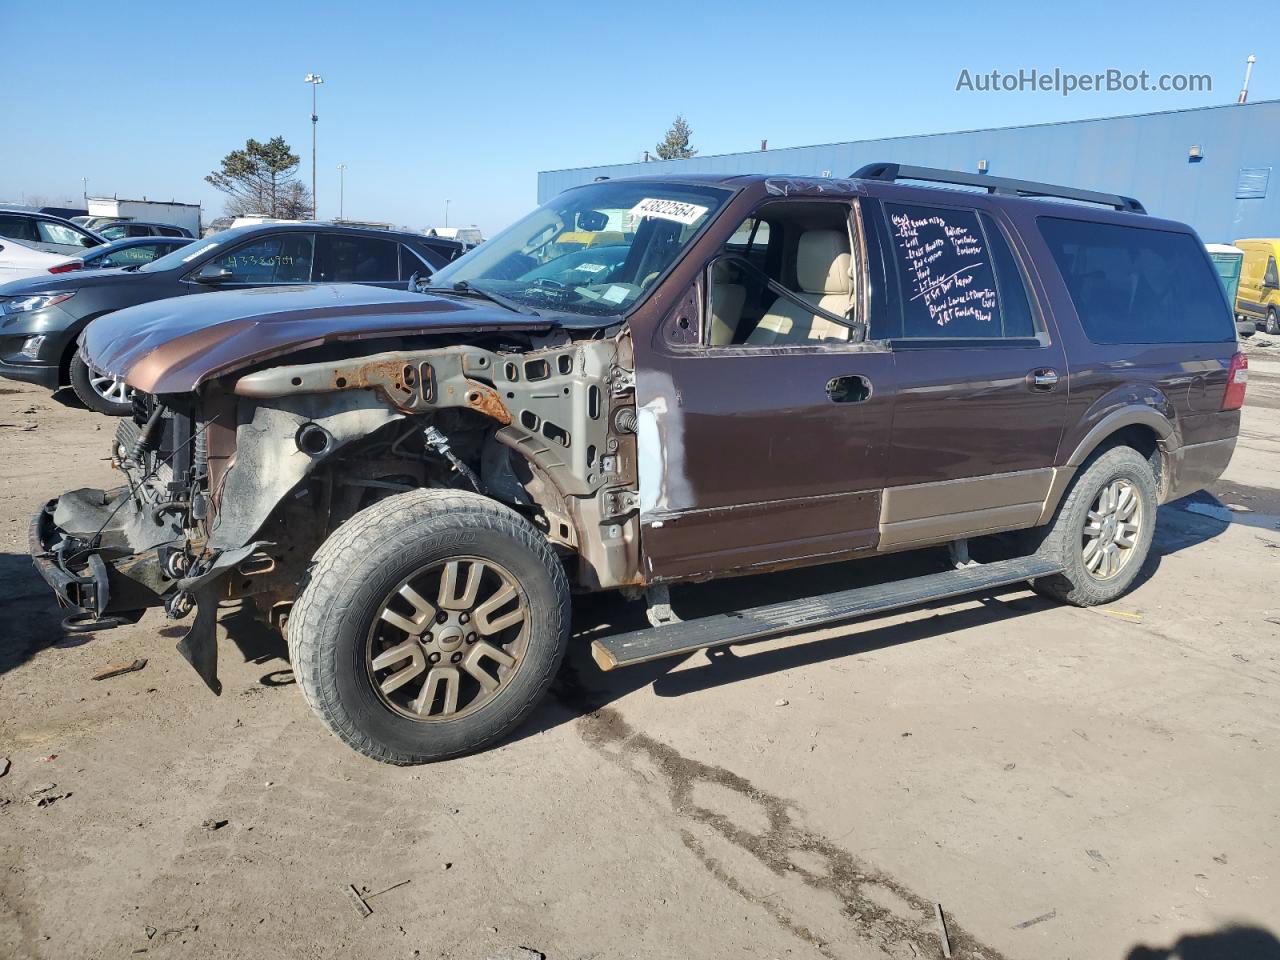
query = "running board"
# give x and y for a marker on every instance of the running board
(641, 646)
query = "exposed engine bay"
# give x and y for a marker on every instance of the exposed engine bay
(230, 490)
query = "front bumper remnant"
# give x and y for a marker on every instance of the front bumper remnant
(104, 567)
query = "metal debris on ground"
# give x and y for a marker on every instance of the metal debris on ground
(120, 669)
(361, 907)
(1034, 920)
(44, 796)
(370, 896)
(942, 929)
(212, 825)
(1097, 856)
(780, 702)
(1123, 615)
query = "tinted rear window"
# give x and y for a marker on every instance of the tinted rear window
(1133, 285)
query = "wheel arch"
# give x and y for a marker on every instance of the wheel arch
(1143, 428)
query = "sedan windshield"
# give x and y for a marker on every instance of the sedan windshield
(594, 250)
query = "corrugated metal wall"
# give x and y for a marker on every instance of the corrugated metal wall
(1143, 156)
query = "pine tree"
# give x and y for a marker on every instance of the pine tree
(676, 144)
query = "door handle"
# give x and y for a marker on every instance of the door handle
(851, 389)
(1043, 380)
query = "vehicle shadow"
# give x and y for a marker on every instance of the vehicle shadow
(67, 397)
(1237, 942)
(30, 618)
(582, 687)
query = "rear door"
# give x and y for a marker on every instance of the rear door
(981, 375)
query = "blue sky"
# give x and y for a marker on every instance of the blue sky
(466, 101)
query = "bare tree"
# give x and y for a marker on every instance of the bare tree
(260, 180)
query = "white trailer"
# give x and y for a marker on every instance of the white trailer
(149, 211)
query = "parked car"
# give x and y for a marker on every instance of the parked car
(1227, 261)
(129, 252)
(134, 228)
(781, 371)
(31, 242)
(1259, 296)
(44, 316)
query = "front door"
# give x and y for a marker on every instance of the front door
(981, 380)
(762, 442)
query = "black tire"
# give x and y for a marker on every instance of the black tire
(90, 397)
(1273, 322)
(1064, 537)
(363, 563)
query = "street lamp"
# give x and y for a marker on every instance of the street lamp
(446, 213)
(342, 176)
(315, 80)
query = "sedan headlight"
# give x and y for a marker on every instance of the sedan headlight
(34, 301)
(31, 347)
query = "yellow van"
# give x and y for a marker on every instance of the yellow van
(1259, 294)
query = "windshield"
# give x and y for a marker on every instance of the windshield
(594, 250)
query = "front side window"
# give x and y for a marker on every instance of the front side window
(1137, 285)
(279, 258)
(594, 250)
(786, 277)
(346, 259)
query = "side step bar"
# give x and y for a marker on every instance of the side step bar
(641, 646)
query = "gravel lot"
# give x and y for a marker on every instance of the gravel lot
(1066, 783)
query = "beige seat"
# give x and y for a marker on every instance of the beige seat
(727, 301)
(822, 273)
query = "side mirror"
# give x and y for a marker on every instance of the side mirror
(211, 275)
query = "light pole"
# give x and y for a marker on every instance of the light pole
(446, 213)
(342, 187)
(84, 181)
(315, 80)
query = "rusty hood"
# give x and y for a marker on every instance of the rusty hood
(172, 346)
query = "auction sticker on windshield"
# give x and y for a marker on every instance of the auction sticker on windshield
(677, 210)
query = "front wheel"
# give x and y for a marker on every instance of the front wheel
(99, 392)
(1102, 531)
(431, 625)
(1273, 321)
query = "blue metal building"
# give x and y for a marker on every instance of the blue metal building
(1211, 167)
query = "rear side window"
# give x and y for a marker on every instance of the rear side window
(956, 277)
(345, 259)
(18, 228)
(1134, 285)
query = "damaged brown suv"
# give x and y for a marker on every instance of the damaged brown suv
(645, 382)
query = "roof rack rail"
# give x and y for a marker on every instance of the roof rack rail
(1020, 188)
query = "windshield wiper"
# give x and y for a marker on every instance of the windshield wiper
(464, 286)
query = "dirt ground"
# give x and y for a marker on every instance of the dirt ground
(1066, 783)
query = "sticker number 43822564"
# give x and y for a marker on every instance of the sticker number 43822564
(677, 210)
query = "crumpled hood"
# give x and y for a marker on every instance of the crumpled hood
(171, 346)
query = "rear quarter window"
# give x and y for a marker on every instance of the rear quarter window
(1136, 285)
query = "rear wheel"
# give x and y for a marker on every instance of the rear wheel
(431, 625)
(1273, 321)
(105, 394)
(1102, 531)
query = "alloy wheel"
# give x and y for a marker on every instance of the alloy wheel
(442, 658)
(111, 389)
(1111, 529)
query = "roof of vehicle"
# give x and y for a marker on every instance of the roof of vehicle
(112, 221)
(139, 242)
(1222, 248)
